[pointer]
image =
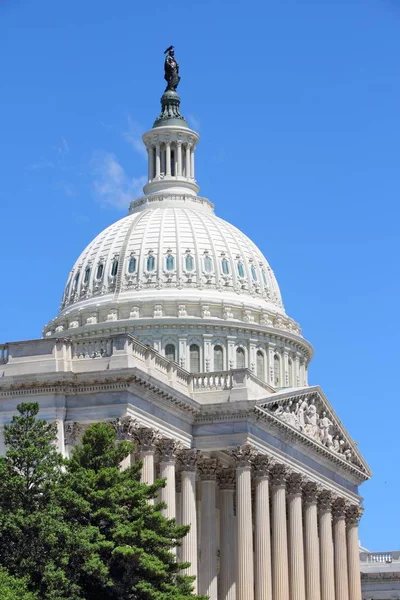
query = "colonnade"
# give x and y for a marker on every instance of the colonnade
(171, 158)
(281, 535)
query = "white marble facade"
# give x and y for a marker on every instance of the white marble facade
(172, 328)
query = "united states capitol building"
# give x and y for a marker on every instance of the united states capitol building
(172, 328)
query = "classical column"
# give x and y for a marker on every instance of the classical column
(245, 569)
(311, 542)
(353, 516)
(150, 158)
(192, 163)
(146, 439)
(227, 566)
(280, 567)
(340, 549)
(167, 449)
(179, 157)
(297, 584)
(208, 548)
(187, 158)
(188, 462)
(262, 533)
(168, 158)
(158, 159)
(326, 546)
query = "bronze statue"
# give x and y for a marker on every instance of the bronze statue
(171, 70)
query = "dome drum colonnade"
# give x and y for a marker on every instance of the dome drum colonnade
(293, 538)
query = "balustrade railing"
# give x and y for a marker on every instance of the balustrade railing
(379, 557)
(92, 348)
(206, 382)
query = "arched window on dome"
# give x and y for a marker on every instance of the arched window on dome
(264, 276)
(277, 371)
(225, 266)
(240, 358)
(240, 269)
(114, 268)
(260, 365)
(208, 264)
(170, 352)
(253, 273)
(170, 262)
(132, 265)
(290, 368)
(218, 358)
(100, 271)
(151, 263)
(194, 352)
(86, 276)
(75, 284)
(189, 262)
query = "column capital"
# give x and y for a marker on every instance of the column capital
(311, 490)
(243, 455)
(278, 474)
(208, 467)
(226, 478)
(167, 449)
(188, 459)
(146, 438)
(262, 465)
(125, 427)
(339, 508)
(72, 432)
(295, 483)
(325, 500)
(353, 514)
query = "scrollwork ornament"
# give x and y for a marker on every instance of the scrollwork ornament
(262, 465)
(278, 474)
(243, 455)
(354, 514)
(208, 467)
(125, 427)
(188, 459)
(339, 508)
(226, 478)
(146, 439)
(325, 500)
(295, 483)
(167, 449)
(311, 490)
(72, 432)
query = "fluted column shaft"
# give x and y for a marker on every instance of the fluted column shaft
(311, 543)
(227, 573)
(296, 542)
(188, 509)
(147, 457)
(280, 567)
(262, 534)
(192, 163)
(168, 494)
(353, 556)
(208, 542)
(187, 160)
(340, 555)
(326, 550)
(158, 159)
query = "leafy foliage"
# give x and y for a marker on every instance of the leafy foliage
(12, 588)
(82, 529)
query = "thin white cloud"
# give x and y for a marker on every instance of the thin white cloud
(42, 164)
(63, 147)
(133, 135)
(111, 185)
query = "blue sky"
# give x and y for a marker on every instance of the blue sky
(297, 104)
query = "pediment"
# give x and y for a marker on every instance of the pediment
(309, 413)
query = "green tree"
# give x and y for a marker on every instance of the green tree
(83, 529)
(12, 588)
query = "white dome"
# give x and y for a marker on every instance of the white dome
(172, 252)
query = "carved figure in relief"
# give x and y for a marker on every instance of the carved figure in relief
(325, 425)
(288, 416)
(301, 409)
(311, 419)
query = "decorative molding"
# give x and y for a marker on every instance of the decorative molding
(262, 465)
(147, 439)
(354, 514)
(188, 459)
(226, 478)
(325, 500)
(72, 432)
(339, 508)
(279, 474)
(167, 449)
(311, 491)
(295, 483)
(125, 427)
(208, 467)
(243, 455)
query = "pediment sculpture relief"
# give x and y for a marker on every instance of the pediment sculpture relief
(309, 416)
